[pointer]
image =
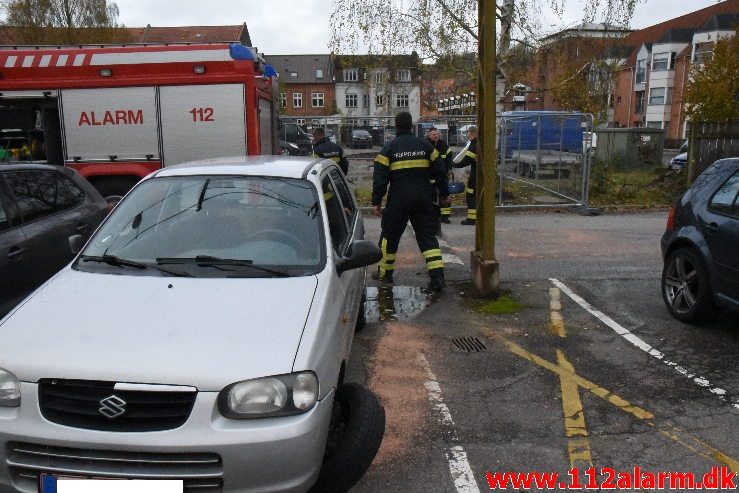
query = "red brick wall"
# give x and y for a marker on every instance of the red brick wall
(329, 100)
(677, 112)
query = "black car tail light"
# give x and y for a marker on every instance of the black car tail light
(671, 220)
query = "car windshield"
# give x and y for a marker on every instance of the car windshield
(361, 133)
(212, 226)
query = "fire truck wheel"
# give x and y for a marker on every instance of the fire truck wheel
(113, 189)
(355, 435)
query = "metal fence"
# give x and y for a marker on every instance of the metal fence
(544, 158)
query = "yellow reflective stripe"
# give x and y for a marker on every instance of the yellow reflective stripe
(469, 190)
(327, 195)
(384, 266)
(471, 154)
(389, 256)
(411, 163)
(471, 213)
(432, 253)
(446, 211)
(432, 181)
(436, 264)
(446, 153)
(434, 155)
(382, 160)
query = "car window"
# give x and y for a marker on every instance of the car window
(336, 217)
(4, 224)
(725, 198)
(272, 223)
(346, 197)
(41, 193)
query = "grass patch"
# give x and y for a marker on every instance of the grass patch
(653, 187)
(502, 306)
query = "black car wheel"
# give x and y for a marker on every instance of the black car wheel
(362, 317)
(686, 289)
(354, 437)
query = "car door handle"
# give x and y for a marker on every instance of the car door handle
(15, 252)
(81, 228)
(711, 228)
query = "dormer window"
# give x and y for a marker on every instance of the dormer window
(403, 75)
(641, 71)
(351, 75)
(702, 52)
(660, 61)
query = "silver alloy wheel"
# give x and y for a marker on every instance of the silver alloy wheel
(681, 284)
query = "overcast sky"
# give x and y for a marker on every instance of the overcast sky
(280, 27)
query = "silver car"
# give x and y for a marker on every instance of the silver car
(200, 335)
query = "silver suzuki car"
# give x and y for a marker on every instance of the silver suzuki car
(200, 335)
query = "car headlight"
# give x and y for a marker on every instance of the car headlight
(294, 146)
(10, 389)
(281, 395)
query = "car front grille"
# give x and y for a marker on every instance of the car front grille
(199, 471)
(79, 403)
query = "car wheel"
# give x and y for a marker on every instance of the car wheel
(354, 437)
(686, 289)
(362, 317)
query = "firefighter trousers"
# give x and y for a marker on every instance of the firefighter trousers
(471, 200)
(423, 215)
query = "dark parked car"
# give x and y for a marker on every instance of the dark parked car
(701, 245)
(361, 138)
(679, 162)
(41, 207)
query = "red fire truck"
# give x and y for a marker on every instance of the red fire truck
(117, 113)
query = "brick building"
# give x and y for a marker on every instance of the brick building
(306, 84)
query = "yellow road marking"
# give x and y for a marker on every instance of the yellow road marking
(557, 324)
(578, 444)
(670, 431)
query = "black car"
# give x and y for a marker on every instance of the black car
(41, 207)
(361, 139)
(701, 246)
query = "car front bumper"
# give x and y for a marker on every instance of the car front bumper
(209, 452)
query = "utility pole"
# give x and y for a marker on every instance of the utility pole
(484, 265)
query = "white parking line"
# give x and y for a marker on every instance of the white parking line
(459, 466)
(644, 346)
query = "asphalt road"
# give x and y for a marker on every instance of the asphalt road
(590, 371)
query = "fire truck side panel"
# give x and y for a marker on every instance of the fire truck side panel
(265, 126)
(110, 124)
(213, 113)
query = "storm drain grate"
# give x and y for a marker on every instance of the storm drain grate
(469, 344)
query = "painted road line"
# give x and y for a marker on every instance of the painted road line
(644, 346)
(450, 258)
(459, 466)
(557, 323)
(578, 444)
(674, 433)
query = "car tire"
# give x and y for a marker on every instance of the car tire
(357, 428)
(362, 317)
(686, 289)
(114, 188)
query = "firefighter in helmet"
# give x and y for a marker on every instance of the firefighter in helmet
(470, 159)
(434, 137)
(407, 165)
(323, 147)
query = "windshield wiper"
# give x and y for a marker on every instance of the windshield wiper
(123, 262)
(217, 262)
(114, 260)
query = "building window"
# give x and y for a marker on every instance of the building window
(319, 73)
(639, 103)
(351, 75)
(351, 100)
(283, 99)
(365, 101)
(641, 71)
(300, 121)
(378, 77)
(660, 61)
(380, 100)
(294, 75)
(657, 95)
(702, 52)
(316, 99)
(654, 124)
(401, 100)
(297, 100)
(403, 75)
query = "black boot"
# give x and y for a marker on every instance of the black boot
(468, 222)
(437, 282)
(445, 219)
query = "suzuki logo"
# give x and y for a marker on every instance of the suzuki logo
(112, 407)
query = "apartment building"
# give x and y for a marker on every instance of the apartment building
(306, 85)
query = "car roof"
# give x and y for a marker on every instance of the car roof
(30, 167)
(279, 166)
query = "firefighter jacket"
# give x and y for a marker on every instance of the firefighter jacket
(470, 159)
(326, 149)
(444, 151)
(408, 164)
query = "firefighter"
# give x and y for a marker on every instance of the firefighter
(434, 136)
(470, 159)
(407, 165)
(324, 148)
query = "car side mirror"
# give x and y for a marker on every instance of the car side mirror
(361, 253)
(76, 243)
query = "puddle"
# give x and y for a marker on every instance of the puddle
(395, 303)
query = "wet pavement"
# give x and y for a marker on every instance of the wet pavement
(590, 371)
